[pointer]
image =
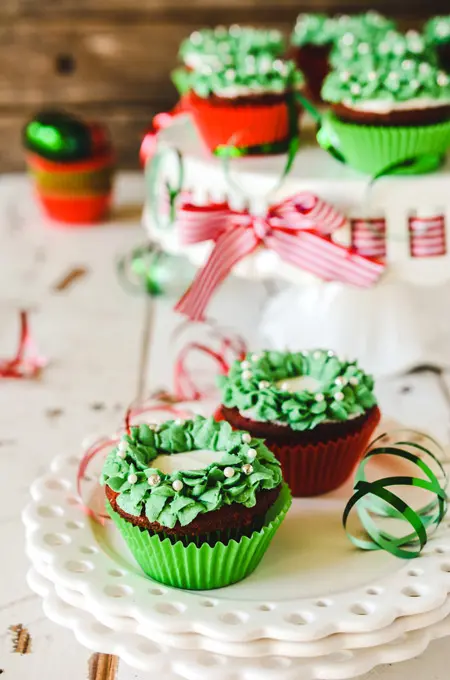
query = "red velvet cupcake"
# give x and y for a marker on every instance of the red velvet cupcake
(316, 413)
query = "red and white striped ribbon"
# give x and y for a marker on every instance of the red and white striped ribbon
(427, 236)
(298, 230)
(369, 236)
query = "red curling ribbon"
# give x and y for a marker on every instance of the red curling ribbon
(298, 229)
(160, 122)
(27, 363)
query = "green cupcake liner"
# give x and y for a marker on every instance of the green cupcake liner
(378, 150)
(205, 567)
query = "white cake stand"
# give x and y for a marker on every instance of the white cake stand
(403, 313)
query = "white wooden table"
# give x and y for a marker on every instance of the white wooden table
(105, 348)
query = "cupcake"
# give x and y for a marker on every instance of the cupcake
(196, 501)
(390, 109)
(72, 166)
(315, 412)
(437, 34)
(312, 40)
(316, 37)
(249, 106)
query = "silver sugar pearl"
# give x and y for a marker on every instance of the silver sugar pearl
(123, 445)
(285, 387)
(177, 485)
(407, 64)
(247, 469)
(363, 48)
(252, 453)
(256, 357)
(442, 79)
(354, 381)
(319, 397)
(317, 354)
(372, 75)
(154, 427)
(345, 76)
(245, 364)
(340, 380)
(355, 88)
(229, 472)
(263, 384)
(154, 480)
(246, 438)
(178, 421)
(132, 479)
(247, 375)
(121, 453)
(339, 396)
(348, 39)
(330, 353)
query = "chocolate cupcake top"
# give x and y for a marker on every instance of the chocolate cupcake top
(313, 29)
(299, 389)
(437, 30)
(180, 469)
(248, 75)
(221, 45)
(386, 81)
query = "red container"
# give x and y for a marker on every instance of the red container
(242, 122)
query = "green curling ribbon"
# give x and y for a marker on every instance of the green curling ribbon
(150, 270)
(374, 499)
(161, 191)
(228, 151)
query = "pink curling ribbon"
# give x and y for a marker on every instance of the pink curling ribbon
(298, 229)
(160, 122)
(185, 389)
(26, 363)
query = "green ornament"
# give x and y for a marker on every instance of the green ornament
(58, 136)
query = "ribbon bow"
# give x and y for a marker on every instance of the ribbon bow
(298, 229)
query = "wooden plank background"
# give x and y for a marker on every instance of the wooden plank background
(111, 59)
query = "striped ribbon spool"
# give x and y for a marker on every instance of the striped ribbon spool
(427, 236)
(369, 236)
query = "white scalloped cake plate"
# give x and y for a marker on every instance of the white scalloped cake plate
(256, 648)
(311, 583)
(147, 655)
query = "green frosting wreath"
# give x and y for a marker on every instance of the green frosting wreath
(222, 45)
(392, 46)
(244, 467)
(345, 390)
(437, 30)
(313, 29)
(385, 76)
(257, 74)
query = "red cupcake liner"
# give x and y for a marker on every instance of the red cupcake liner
(257, 123)
(79, 205)
(313, 61)
(319, 467)
(79, 210)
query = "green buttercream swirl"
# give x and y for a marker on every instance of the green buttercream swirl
(363, 26)
(393, 46)
(437, 30)
(221, 45)
(345, 390)
(203, 490)
(313, 29)
(258, 74)
(386, 77)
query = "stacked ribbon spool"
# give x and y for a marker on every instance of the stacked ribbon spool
(427, 236)
(72, 165)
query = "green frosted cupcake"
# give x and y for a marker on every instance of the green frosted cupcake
(196, 502)
(388, 109)
(215, 47)
(437, 34)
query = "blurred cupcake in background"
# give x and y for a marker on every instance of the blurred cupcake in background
(216, 46)
(312, 40)
(437, 35)
(389, 107)
(249, 105)
(72, 165)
